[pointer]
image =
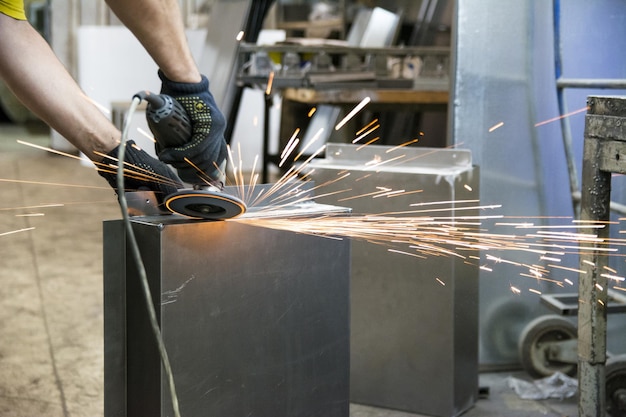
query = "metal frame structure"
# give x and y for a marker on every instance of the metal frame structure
(604, 154)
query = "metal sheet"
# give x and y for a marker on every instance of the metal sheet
(405, 325)
(256, 321)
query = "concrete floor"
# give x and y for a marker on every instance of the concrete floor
(51, 344)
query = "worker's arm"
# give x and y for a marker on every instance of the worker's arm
(39, 80)
(36, 76)
(159, 27)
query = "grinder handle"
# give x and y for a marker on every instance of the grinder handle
(167, 119)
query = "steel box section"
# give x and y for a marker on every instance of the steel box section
(414, 341)
(255, 321)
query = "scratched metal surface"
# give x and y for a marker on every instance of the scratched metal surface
(256, 321)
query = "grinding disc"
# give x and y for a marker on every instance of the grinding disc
(204, 204)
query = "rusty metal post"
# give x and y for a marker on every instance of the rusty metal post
(604, 154)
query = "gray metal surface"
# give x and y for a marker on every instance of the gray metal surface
(256, 321)
(406, 327)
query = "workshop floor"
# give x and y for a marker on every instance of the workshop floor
(51, 339)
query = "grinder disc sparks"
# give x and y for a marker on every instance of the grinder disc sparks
(204, 204)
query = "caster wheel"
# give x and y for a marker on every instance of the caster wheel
(535, 341)
(616, 386)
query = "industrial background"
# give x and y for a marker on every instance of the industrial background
(489, 101)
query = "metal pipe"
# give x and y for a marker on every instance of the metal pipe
(591, 83)
(562, 103)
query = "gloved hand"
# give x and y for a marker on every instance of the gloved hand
(141, 172)
(207, 149)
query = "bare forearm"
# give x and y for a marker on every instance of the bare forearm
(32, 71)
(159, 27)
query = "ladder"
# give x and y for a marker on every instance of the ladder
(562, 84)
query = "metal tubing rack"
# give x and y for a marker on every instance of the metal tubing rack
(339, 66)
(604, 154)
(337, 74)
(567, 304)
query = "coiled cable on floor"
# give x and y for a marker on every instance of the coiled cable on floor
(135, 253)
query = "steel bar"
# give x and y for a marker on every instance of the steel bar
(601, 83)
(345, 49)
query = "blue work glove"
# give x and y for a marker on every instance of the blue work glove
(142, 172)
(207, 148)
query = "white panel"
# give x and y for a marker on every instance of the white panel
(113, 66)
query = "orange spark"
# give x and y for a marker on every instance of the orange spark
(368, 143)
(554, 119)
(358, 138)
(270, 81)
(43, 148)
(496, 126)
(353, 112)
(53, 184)
(402, 145)
(16, 231)
(367, 126)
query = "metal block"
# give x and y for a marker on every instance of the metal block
(255, 321)
(406, 327)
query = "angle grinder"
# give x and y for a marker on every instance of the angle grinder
(171, 127)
